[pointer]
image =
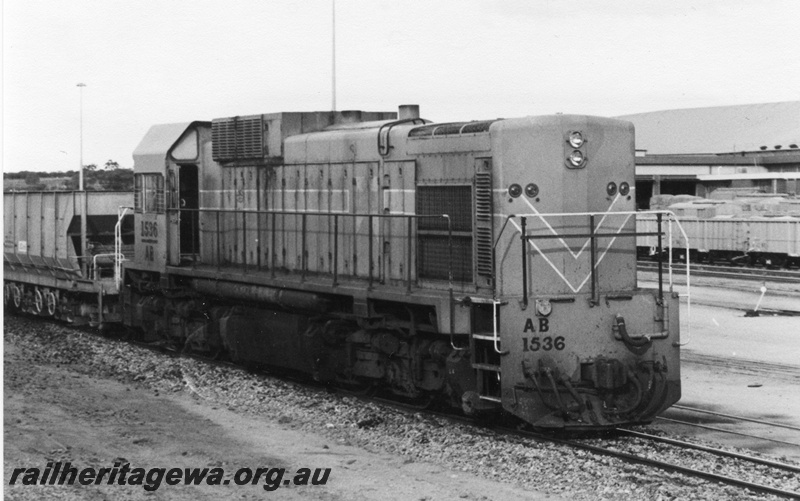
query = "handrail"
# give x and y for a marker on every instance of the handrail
(593, 235)
(496, 338)
(115, 255)
(385, 149)
(118, 245)
(336, 215)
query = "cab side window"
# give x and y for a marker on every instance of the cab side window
(149, 193)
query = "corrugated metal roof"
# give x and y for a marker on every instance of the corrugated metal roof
(720, 129)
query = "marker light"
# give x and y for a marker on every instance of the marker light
(611, 189)
(575, 139)
(515, 190)
(531, 190)
(624, 189)
(576, 158)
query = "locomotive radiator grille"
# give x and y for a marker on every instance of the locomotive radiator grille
(435, 259)
(454, 201)
(237, 138)
(483, 244)
(434, 252)
(483, 220)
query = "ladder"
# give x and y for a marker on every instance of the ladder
(485, 350)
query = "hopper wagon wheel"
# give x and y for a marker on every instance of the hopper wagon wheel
(52, 303)
(16, 296)
(38, 301)
(7, 295)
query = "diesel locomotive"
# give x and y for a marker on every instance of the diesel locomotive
(486, 265)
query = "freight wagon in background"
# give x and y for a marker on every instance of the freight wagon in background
(44, 271)
(739, 229)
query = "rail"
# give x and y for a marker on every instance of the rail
(334, 220)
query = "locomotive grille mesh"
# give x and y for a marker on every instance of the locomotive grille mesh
(451, 129)
(455, 201)
(434, 251)
(137, 193)
(483, 220)
(483, 196)
(483, 240)
(435, 259)
(237, 138)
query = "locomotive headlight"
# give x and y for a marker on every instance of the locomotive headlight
(531, 190)
(576, 158)
(611, 189)
(624, 189)
(515, 190)
(575, 139)
(543, 307)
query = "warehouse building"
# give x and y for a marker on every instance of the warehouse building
(698, 151)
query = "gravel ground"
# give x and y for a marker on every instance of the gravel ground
(551, 468)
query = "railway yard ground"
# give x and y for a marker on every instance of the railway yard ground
(738, 365)
(72, 396)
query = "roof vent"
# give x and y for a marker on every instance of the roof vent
(777, 146)
(763, 147)
(408, 111)
(792, 145)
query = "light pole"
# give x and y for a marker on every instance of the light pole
(333, 57)
(80, 176)
(85, 204)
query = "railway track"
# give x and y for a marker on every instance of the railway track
(729, 419)
(618, 445)
(737, 418)
(770, 468)
(760, 368)
(730, 272)
(777, 469)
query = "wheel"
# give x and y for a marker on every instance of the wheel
(11, 298)
(38, 301)
(16, 296)
(52, 303)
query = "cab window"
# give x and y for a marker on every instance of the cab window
(149, 193)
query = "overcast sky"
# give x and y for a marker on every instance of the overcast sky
(159, 61)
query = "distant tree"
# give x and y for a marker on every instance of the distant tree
(72, 182)
(118, 180)
(32, 178)
(110, 178)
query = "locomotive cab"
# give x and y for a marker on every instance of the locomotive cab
(166, 194)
